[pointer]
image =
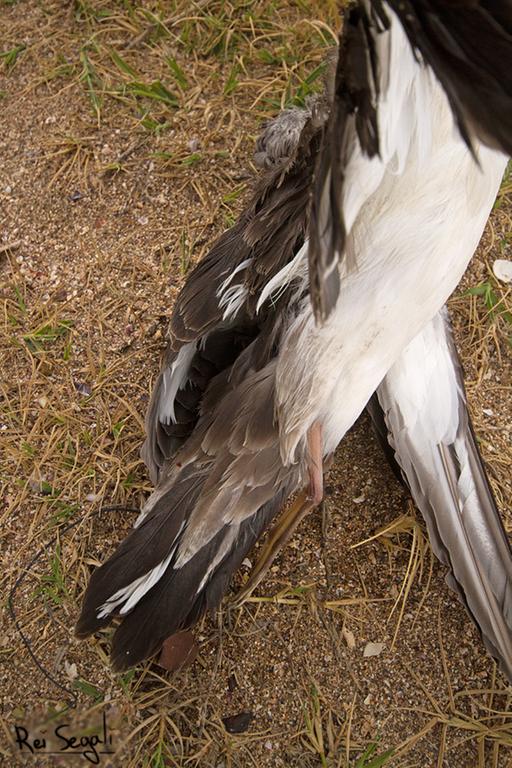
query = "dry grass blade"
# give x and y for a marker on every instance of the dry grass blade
(389, 536)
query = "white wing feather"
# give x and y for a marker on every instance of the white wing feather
(425, 409)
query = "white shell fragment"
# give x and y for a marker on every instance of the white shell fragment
(502, 269)
(70, 669)
(373, 649)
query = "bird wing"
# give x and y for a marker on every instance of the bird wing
(429, 429)
(468, 47)
(212, 411)
(226, 484)
(216, 315)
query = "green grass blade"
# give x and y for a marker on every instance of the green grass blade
(11, 56)
(155, 91)
(122, 64)
(177, 72)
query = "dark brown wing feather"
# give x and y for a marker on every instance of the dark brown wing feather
(353, 117)
(224, 435)
(175, 602)
(268, 233)
(230, 462)
(468, 44)
(218, 351)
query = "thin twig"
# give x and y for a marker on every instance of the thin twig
(10, 246)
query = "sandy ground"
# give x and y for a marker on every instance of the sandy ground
(107, 196)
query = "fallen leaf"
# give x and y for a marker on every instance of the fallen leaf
(237, 723)
(178, 651)
(373, 649)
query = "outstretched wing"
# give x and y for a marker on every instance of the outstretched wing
(213, 410)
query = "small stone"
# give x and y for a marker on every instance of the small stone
(82, 388)
(373, 649)
(70, 669)
(349, 638)
(238, 723)
(502, 269)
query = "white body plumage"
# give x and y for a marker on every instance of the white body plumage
(414, 216)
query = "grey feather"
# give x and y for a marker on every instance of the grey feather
(449, 485)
